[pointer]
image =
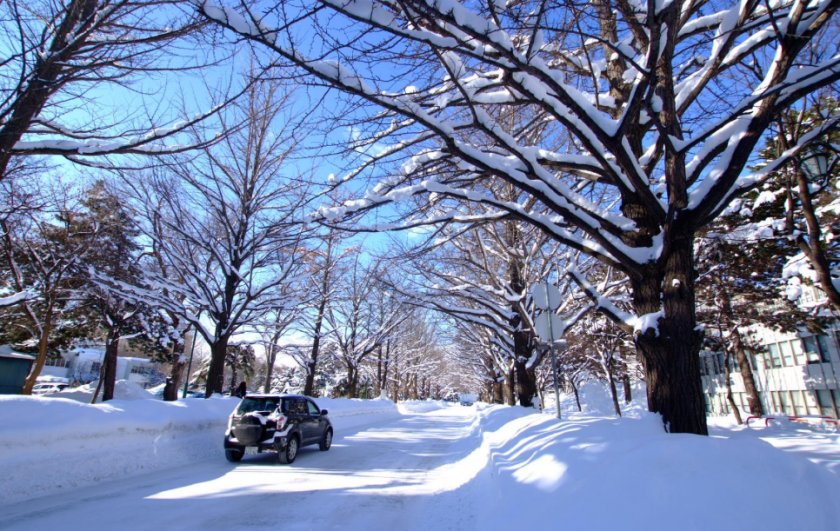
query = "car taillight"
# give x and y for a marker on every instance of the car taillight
(281, 422)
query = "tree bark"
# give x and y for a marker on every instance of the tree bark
(613, 392)
(173, 383)
(671, 352)
(576, 393)
(628, 391)
(728, 377)
(753, 400)
(526, 386)
(312, 364)
(109, 362)
(510, 386)
(216, 371)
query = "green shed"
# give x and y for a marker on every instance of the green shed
(14, 367)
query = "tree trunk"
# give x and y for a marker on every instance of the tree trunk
(216, 371)
(377, 386)
(387, 365)
(526, 386)
(352, 382)
(628, 391)
(577, 395)
(671, 351)
(814, 246)
(109, 362)
(613, 392)
(173, 383)
(510, 387)
(753, 400)
(270, 358)
(43, 347)
(312, 364)
(737, 346)
(727, 375)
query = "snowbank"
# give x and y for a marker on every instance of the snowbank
(626, 473)
(49, 444)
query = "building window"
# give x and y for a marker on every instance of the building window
(787, 354)
(816, 348)
(824, 402)
(775, 357)
(55, 361)
(784, 402)
(799, 407)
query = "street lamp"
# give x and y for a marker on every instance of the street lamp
(813, 161)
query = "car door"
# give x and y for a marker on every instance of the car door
(317, 421)
(299, 414)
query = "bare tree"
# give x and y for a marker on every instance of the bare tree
(64, 57)
(662, 104)
(42, 249)
(230, 233)
(361, 317)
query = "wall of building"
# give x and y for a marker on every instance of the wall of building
(796, 375)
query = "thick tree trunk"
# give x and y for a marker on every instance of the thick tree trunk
(109, 372)
(216, 372)
(671, 350)
(510, 386)
(526, 384)
(352, 382)
(173, 383)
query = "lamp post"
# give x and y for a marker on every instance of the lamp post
(189, 366)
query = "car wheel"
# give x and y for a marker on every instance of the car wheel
(287, 455)
(234, 456)
(326, 440)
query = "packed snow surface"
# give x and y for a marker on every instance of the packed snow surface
(146, 464)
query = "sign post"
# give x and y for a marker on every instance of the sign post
(547, 299)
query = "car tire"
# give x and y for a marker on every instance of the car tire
(288, 454)
(326, 441)
(233, 455)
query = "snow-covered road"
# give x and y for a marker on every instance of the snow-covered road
(381, 477)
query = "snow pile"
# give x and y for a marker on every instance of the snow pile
(419, 465)
(602, 473)
(50, 444)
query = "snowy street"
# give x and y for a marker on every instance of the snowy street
(418, 465)
(382, 477)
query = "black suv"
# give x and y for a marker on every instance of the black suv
(277, 423)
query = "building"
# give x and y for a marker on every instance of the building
(83, 362)
(796, 374)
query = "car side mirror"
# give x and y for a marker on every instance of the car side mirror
(323, 412)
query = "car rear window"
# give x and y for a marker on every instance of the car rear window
(250, 404)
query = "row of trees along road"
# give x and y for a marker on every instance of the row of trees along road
(555, 98)
(602, 129)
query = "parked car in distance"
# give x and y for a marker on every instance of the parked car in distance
(276, 423)
(49, 387)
